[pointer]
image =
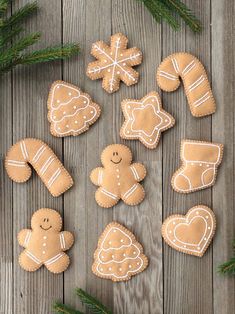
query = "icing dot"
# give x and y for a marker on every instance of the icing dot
(64, 112)
(44, 244)
(114, 230)
(58, 128)
(121, 54)
(74, 107)
(150, 140)
(133, 79)
(138, 263)
(58, 86)
(207, 217)
(119, 183)
(127, 132)
(110, 268)
(111, 53)
(84, 102)
(120, 269)
(170, 231)
(174, 240)
(166, 120)
(124, 64)
(197, 213)
(158, 111)
(70, 94)
(129, 266)
(92, 111)
(118, 176)
(54, 117)
(101, 269)
(184, 245)
(102, 256)
(200, 165)
(44, 237)
(112, 256)
(152, 99)
(121, 240)
(67, 126)
(209, 228)
(84, 117)
(105, 60)
(110, 242)
(134, 252)
(192, 163)
(208, 165)
(128, 106)
(58, 101)
(124, 254)
(109, 70)
(173, 222)
(118, 72)
(205, 239)
(198, 248)
(76, 121)
(43, 252)
(117, 170)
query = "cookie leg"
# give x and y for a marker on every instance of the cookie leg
(58, 263)
(29, 262)
(105, 198)
(134, 195)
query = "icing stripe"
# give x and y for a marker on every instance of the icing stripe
(47, 164)
(168, 75)
(196, 83)
(39, 153)
(100, 177)
(130, 191)
(16, 162)
(34, 258)
(28, 236)
(62, 241)
(175, 65)
(24, 150)
(135, 173)
(108, 194)
(53, 259)
(201, 100)
(189, 67)
(15, 165)
(54, 177)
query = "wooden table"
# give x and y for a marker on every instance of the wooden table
(174, 283)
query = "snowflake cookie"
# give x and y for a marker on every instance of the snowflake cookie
(118, 255)
(114, 63)
(145, 120)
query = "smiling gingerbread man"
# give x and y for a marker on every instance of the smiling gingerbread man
(45, 244)
(119, 178)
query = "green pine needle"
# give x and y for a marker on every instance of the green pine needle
(3, 6)
(93, 304)
(185, 13)
(60, 308)
(229, 266)
(166, 10)
(7, 37)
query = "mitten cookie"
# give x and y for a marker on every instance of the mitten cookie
(199, 169)
(191, 71)
(44, 244)
(145, 120)
(192, 233)
(114, 63)
(119, 178)
(71, 111)
(44, 161)
(119, 255)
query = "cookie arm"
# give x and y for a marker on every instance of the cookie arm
(138, 171)
(97, 176)
(66, 240)
(24, 237)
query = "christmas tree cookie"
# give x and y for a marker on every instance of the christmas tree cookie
(118, 256)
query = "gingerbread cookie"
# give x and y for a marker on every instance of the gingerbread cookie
(192, 233)
(119, 178)
(199, 169)
(114, 63)
(45, 244)
(119, 255)
(191, 71)
(71, 111)
(44, 161)
(145, 120)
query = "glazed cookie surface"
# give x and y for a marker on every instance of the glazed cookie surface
(114, 63)
(118, 255)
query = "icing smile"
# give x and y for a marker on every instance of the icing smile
(45, 228)
(116, 162)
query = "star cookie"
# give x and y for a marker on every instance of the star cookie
(145, 120)
(192, 233)
(114, 63)
(70, 111)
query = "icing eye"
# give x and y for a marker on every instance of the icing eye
(122, 240)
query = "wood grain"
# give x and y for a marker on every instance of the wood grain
(174, 283)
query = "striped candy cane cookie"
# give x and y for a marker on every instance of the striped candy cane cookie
(43, 160)
(197, 87)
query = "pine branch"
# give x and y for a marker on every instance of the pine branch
(3, 6)
(229, 266)
(7, 37)
(185, 13)
(19, 16)
(60, 308)
(93, 304)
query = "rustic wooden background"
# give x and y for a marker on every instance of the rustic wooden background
(174, 283)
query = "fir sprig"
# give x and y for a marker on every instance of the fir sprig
(229, 266)
(14, 52)
(168, 9)
(90, 302)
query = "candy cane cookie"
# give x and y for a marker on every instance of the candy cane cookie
(43, 160)
(197, 87)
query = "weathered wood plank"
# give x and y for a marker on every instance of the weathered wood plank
(143, 293)
(6, 221)
(187, 279)
(35, 292)
(223, 131)
(86, 22)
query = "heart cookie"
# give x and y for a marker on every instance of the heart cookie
(192, 233)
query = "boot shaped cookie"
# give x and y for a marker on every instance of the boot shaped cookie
(199, 169)
(119, 178)
(45, 244)
(44, 161)
(191, 71)
(119, 255)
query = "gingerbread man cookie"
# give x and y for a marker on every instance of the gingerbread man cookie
(114, 63)
(145, 120)
(199, 169)
(71, 112)
(191, 71)
(192, 233)
(119, 255)
(119, 178)
(43, 159)
(44, 244)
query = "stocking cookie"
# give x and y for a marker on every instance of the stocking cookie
(71, 112)
(191, 71)
(44, 244)
(192, 233)
(114, 63)
(119, 255)
(118, 179)
(199, 169)
(145, 120)
(44, 161)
